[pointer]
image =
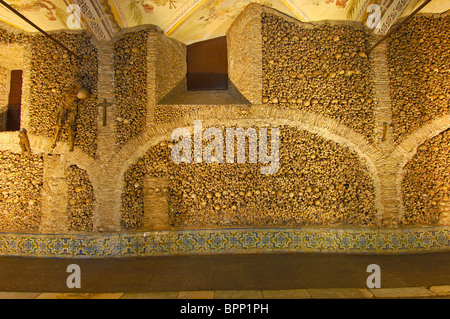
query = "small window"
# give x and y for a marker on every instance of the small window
(14, 101)
(207, 65)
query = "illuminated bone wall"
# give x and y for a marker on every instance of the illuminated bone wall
(312, 81)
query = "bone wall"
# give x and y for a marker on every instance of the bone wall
(4, 77)
(21, 180)
(318, 68)
(419, 69)
(53, 70)
(315, 84)
(80, 200)
(130, 85)
(426, 183)
(318, 183)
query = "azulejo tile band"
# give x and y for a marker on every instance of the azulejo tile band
(231, 241)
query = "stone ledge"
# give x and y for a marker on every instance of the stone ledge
(49, 295)
(238, 294)
(443, 290)
(286, 294)
(404, 292)
(309, 293)
(337, 293)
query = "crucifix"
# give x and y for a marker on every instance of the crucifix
(104, 104)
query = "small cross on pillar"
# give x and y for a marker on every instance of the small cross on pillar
(104, 104)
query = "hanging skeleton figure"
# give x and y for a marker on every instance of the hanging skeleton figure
(69, 108)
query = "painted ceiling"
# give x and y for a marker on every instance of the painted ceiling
(189, 20)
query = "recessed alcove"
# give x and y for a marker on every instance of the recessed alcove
(207, 80)
(11, 85)
(181, 96)
(207, 67)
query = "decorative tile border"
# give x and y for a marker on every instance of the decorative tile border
(254, 240)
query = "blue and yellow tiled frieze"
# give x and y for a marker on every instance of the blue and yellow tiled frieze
(255, 240)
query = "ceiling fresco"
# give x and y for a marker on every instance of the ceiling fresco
(189, 21)
(47, 14)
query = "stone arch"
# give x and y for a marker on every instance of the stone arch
(324, 127)
(406, 150)
(408, 147)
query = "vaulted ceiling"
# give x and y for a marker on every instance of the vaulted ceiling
(191, 20)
